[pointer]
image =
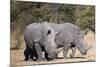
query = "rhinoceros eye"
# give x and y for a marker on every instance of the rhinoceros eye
(49, 32)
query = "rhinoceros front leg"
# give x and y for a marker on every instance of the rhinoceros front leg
(65, 50)
(73, 52)
(33, 54)
(39, 51)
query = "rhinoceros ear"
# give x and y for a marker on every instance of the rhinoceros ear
(58, 33)
(48, 32)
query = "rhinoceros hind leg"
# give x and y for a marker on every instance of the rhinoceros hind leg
(26, 53)
(38, 51)
(33, 54)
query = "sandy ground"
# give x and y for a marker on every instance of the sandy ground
(17, 56)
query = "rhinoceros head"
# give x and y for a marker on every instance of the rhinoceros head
(83, 47)
(50, 45)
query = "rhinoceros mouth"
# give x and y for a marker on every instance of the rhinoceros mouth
(87, 49)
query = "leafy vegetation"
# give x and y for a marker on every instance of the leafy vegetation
(24, 13)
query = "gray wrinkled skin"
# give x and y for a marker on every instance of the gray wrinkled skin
(69, 36)
(40, 35)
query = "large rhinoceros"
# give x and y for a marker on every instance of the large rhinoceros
(38, 38)
(70, 36)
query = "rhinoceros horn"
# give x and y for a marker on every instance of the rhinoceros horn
(59, 50)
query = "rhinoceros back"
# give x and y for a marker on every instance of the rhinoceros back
(32, 34)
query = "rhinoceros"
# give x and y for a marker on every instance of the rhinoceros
(39, 37)
(70, 37)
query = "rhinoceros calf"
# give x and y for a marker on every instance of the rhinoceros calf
(38, 38)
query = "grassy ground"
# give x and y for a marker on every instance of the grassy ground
(17, 56)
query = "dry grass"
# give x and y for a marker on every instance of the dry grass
(17, 57)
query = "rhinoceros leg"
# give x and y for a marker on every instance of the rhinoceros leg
(73, 52)
(73, 48)
(39, 51)
(27, 53)
(33, 54)
(46, 55)
(65, 49)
